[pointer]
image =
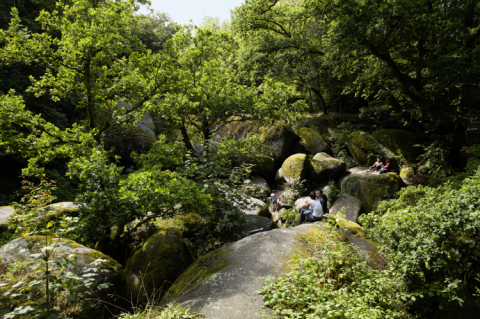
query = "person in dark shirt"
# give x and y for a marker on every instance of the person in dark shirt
(323, 199)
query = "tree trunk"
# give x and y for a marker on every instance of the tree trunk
(186, 139)
(317, 93)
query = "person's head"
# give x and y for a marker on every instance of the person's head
(388, 161)
(378, 160)
(318, 193)
(273, 192)
(312, 195)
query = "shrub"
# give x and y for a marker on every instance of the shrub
(331, 281)
(290, 216)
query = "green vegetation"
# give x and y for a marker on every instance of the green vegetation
(430, 235)
(330, 281)
(169, 311)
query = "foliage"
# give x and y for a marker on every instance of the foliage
(340, 136)
(332, 193)
(44, 286)
(169, 311)
(154, 29)
(297, 190)
(114, 205)
(291, 216)
(431, 237)
(332, 282)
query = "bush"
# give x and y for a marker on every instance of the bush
(431, 237)
(332, 193)
(290, 216)
(331, 281)
(167, 312)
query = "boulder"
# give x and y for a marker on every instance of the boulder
(360, 146)
(280, 139)
(263, 165)
(407, 172)
(224, 283)
(294, 169)
(278, 177)
(258, 188)
(365, 150)
(16, 250)
(184, 222)
(156, 264)
(353, 171)
(256, 222)
(371, 187)
(324, 167)
(6, 213)
(353, 207)
(255, 207)
(312, 141)
(301, 201)
(399, 143)
(56, 210)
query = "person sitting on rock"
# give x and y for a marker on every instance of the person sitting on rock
(312, 210)
(387, 168)
(273, 201)
(376, 167)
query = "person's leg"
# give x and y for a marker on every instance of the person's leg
(302, 210)
(311, 218)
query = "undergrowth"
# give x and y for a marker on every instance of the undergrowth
(331, 281)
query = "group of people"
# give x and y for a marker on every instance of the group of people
(312, 210)
(379, 167)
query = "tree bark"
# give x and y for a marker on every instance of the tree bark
(317, 93)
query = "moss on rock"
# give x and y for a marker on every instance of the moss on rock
(294, 169)
(407, 172)
(399, 142)
(324, 167)
(360, 146)
(184, 222)
(371, 188)
(157, 263)
(313, 141)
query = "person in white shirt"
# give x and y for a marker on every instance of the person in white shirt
(273, 201)
(312, 210)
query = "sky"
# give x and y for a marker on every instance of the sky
(182, 11)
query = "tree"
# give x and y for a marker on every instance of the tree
(155, 29)
(208, 92)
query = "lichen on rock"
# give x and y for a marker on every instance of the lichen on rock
(313, 141)
(371, 188)
(294, 169)
(156, 264)
(399, 143)
(407, 172)
(324, 167)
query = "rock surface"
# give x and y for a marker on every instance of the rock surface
(371, 187)
(184, 222)
(313, 141)
(223, 283)
(353, 207)
(16, 250)
(324, 167)
(6, 212)
(156, 264)
(280, 139)
(294, 169)
(255, 207)
(301, 201)
(407, 172)
(256, 222)
(360, 146)
(399, 143)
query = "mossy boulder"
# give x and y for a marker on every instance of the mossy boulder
(6, 214)
(371, 188)
(351, 206)
(312, 141)
(324, 167)
(365, 150)
(155, 265)
(16, 250)
(399, 143)
(294, 169)
(184, 222)
(407, 172)
(224, 283)
(258, 187)
(280, 138)
(263, 164)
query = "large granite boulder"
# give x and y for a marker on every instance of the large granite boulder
(312, 141)
(399, 143)
(301, 201)
(407, 172)
(353, 207)
(224, 283)
(184, 222)
(17, 251)
(257, 207)
(365, 150)
(280, 139)
(324, 167)
(263, 165)
(371, 187)
(6, 213)
(294, 169)
(257, 222)
(156, 264)
(258, 187)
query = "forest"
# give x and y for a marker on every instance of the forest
(157, 170)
